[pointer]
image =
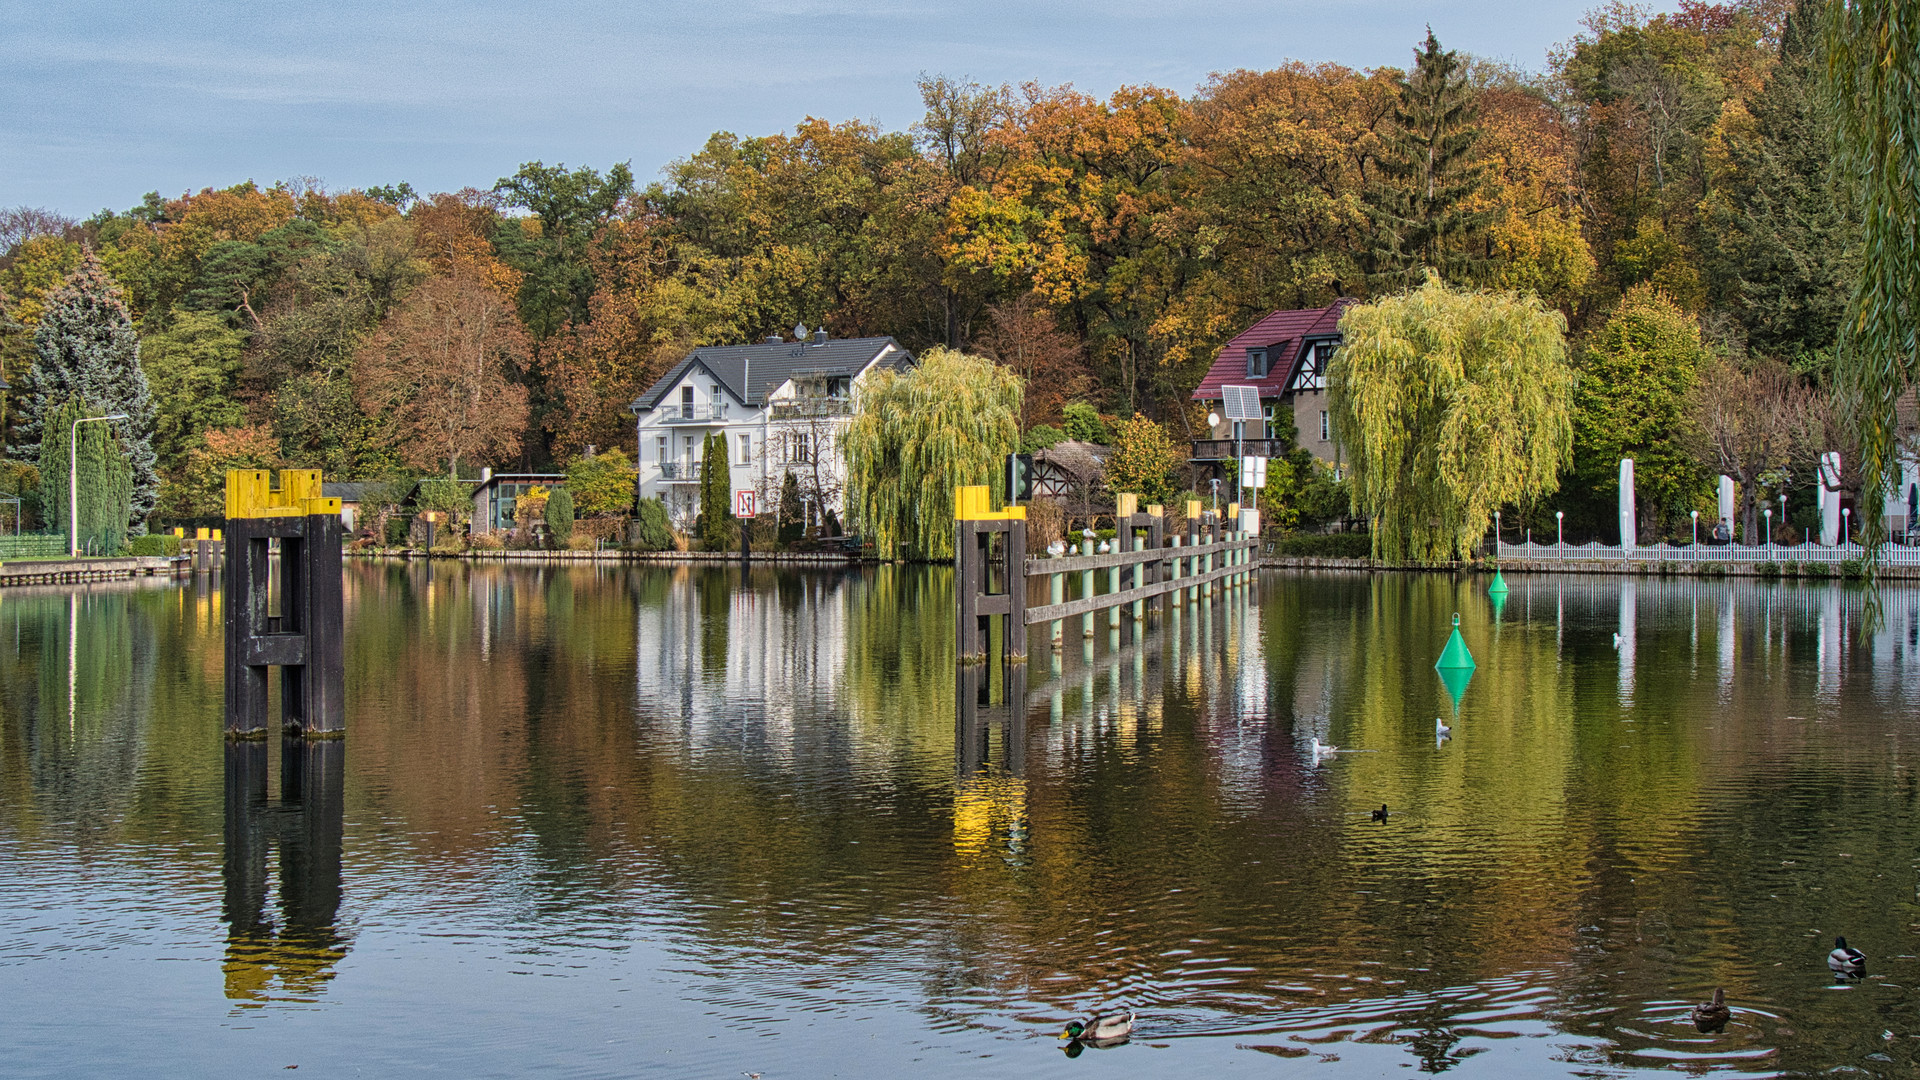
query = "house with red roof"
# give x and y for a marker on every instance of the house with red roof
(1285, 355)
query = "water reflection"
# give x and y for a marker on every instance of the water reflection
(291, 957)
(738, 815)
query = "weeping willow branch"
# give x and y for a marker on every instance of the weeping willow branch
(1446, 405)
(1873, 76)
(916, 436)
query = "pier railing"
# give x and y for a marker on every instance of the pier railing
(1146, 566)
(1890, 554)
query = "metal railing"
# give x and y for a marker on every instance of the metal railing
(696, 414)
(679, 471)
(1890, 555)
(1223, 449)
(805, 408)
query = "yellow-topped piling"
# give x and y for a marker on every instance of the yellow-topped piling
(973, 503)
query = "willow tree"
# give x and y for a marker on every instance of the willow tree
(1447, 404)
(916, 436)
(1873, 76)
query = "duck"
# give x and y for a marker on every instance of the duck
(1380, 814)
(1846, 960)
(1321, 749)
(1442, 728)
(1100, 1028)
(1617, 639)
(1712, 1016)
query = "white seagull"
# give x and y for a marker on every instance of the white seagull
(1440, 727)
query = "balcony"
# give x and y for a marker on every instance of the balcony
(1224, 449)
(808, 408)
(679, 472)
(696, 414)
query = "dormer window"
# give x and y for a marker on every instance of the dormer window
(1256, 363)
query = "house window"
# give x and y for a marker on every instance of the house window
(797, 448)
(661, 442)
(686, 403)
(1256, 363)
(717, 403)
(1326, 429)
(837, 387)
(746, 449)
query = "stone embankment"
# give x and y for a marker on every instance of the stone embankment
(58, 571)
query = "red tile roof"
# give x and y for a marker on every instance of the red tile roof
(1281, 333)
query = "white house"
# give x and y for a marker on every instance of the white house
(781, 407)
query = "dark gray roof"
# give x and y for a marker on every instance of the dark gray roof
(770, 365)
(354, 491)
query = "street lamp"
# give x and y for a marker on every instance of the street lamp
(1216, 495)
(1846, 525)
(73, 477)
(1696, 534)
(1769, 513)
(1496, 534)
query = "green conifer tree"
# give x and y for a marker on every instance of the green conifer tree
(716, 495)
(791, 525)
(105, 475)
(1780, 249)
(85, 347)
(1421, 205)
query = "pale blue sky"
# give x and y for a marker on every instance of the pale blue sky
(106, 101)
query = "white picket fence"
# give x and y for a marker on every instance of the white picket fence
(1890, 555)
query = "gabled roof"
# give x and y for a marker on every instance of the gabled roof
(1284, 334)
(770, 365)
(354, 491)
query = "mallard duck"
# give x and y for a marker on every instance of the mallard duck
(1441, 728)
(1380, 814)
(1846, 960)
(1100, 1027)
(1712, 1016)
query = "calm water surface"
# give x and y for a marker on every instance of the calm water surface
(694, 822)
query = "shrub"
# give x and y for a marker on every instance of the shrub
(601, 484)
(167, 546)
(560, 517)
(580, 543)
(1791, 568)
(1854, 569)
(492, 541)
(1042, 437)
(396, 530)
(790, 510)
(1767, 569)
(1325, 545)
(1818, 570)
(655, 532)
(1083, 423)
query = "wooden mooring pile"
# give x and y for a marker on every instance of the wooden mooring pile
(1147, 571)
(282, 597)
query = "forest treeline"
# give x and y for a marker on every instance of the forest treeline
(1105, 248)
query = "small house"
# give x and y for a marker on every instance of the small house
(1285, 356)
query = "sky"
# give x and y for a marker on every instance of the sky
(104, 102)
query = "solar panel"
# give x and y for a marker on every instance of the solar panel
(1241, 402)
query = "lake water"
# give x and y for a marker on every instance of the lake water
(651, 821)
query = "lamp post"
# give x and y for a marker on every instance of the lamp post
(1769, 513)
(1496, 534)
(1846, 525)
(73, 478)
(1216, 495)
(1559, 522)
(1696, 534)
(1783, 512)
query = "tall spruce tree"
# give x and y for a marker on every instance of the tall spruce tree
(716, 495)
(85, 347)
(1781, 250)
(1422, 204)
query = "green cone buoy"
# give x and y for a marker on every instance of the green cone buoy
(1455, 655)
(1499, 586)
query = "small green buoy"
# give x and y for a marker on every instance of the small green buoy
(1455, 655)
(1499, 586)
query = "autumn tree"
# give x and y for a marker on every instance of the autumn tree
(1446, 405)
(436, 375)
(1632, 400)
(1752, 422)
(200, 489)
(1023, 335)
(1144, 461)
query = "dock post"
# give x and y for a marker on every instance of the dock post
(304, 638)
(1193, 541)
(1057, 594)
(1086, 590)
